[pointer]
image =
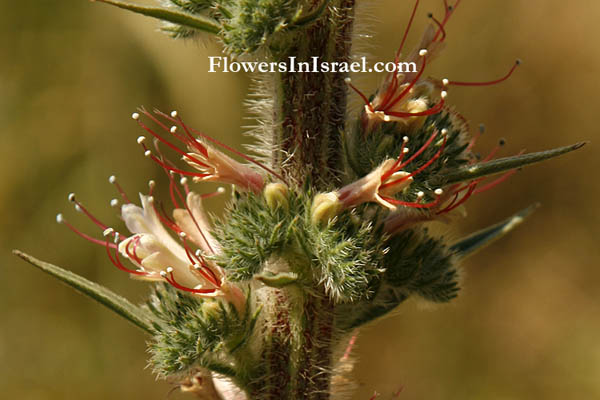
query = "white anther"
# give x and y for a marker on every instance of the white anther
(151, 184)
(196, 267)
(387, 118)
(59, 218)
(182, 235)
(112, 179)
(438, 192)
(347, 79)
(71, 197)
(444, 94)
(444, 132)
(147, 153)
(405, 150)
(117, 236)
(221, 190)
(405, 139)
(445, 82)
(108, 231)
(174, 114)
(77, 208)
(420, 194)
(163, 273)
(151, 199)
(135, 116)
(114, 203)
(169, 269)
(140, 139)
(173, 129)
(423, 52)
(198, 253)
(183, 181)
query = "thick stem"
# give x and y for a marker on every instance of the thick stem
(296, 360)
(310, 107)
(296, 353)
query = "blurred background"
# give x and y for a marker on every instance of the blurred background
(526, 324)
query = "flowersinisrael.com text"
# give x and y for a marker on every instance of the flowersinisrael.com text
(223, 64)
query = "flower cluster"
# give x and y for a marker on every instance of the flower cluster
(416, 138)
(298, 263)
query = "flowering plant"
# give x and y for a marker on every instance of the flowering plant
(326, 230)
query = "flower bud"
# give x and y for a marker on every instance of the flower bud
(276, 195)
(325, 206)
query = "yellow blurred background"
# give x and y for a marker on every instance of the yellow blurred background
(526, 324)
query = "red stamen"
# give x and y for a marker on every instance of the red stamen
(440, 26)
(420, 169)
(174, 283)
(173, 188)
(395, 167)
(488, 83)
(454, 204)
(113, 179)
(412, 204)
(168, 222)
(87, 213)
(217, 192)
(164, 127)
(169, 168)
(190, 141)
(61, 220)
(433, 110)
(202, 265)
(171, 145)
(494, 151)
(132, 253)
(410, 21)
(384, 106)
(361, 94)
(418, 153)
(476, 137)
(449, 11)
(117, 262)
(218, 143)
(495, 182)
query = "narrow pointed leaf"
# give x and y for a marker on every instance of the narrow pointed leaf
(469, 172)
(478, 240)
(114, 302)
(199, 22)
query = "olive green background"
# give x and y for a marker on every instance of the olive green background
(526, 324)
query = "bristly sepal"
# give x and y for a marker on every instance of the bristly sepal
(198, 332)
(415, 264)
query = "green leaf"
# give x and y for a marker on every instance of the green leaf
(478, 240)
(116, 303)
(469, 172)
(198, 22)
